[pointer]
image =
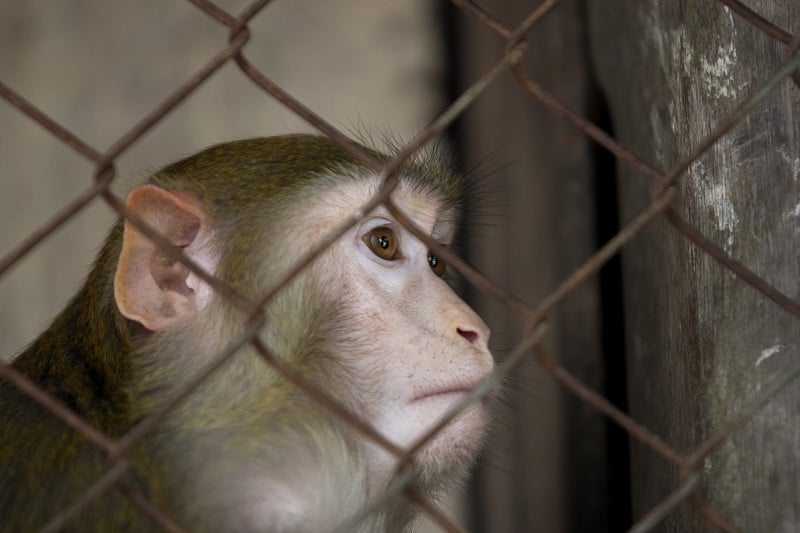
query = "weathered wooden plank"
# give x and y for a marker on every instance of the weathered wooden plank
(701, 344)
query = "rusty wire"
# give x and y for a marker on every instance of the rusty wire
(530, 346)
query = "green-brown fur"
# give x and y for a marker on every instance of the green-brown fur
(81, 360)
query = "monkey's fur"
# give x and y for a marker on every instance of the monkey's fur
(246, 451)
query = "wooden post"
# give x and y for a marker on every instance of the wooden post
(702, 345)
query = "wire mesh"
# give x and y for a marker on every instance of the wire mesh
(662, 206)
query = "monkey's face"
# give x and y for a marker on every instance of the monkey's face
(420, 348)
(373, 321)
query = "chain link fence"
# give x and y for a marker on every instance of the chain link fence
(661, 205)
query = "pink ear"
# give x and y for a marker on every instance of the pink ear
(149, 286)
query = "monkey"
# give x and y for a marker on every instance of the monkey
(371, 321)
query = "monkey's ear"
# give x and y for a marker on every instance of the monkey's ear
(149, 286)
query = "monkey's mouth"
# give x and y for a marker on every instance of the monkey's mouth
(458, 390)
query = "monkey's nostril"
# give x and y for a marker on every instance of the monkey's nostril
(468, 334)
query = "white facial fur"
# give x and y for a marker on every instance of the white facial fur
(421, 346)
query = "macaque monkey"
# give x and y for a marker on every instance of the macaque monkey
(371, 321)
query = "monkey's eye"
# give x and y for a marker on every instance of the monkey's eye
(437, 265)
(382, 242)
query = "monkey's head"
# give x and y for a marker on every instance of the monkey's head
(373, 320)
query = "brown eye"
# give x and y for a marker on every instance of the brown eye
(382, 242)
(437, 265)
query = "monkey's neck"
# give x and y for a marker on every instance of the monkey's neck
(81, 358)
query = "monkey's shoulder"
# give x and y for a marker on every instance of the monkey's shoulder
(45, 466)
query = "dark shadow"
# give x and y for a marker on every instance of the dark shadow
(612, 322)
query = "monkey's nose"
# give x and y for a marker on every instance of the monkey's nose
(476, 334)
(471, 336)
(467, 324)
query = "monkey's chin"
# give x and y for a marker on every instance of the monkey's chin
(454, 447)
(443, 461)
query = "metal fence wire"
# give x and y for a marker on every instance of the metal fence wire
(661, 206)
